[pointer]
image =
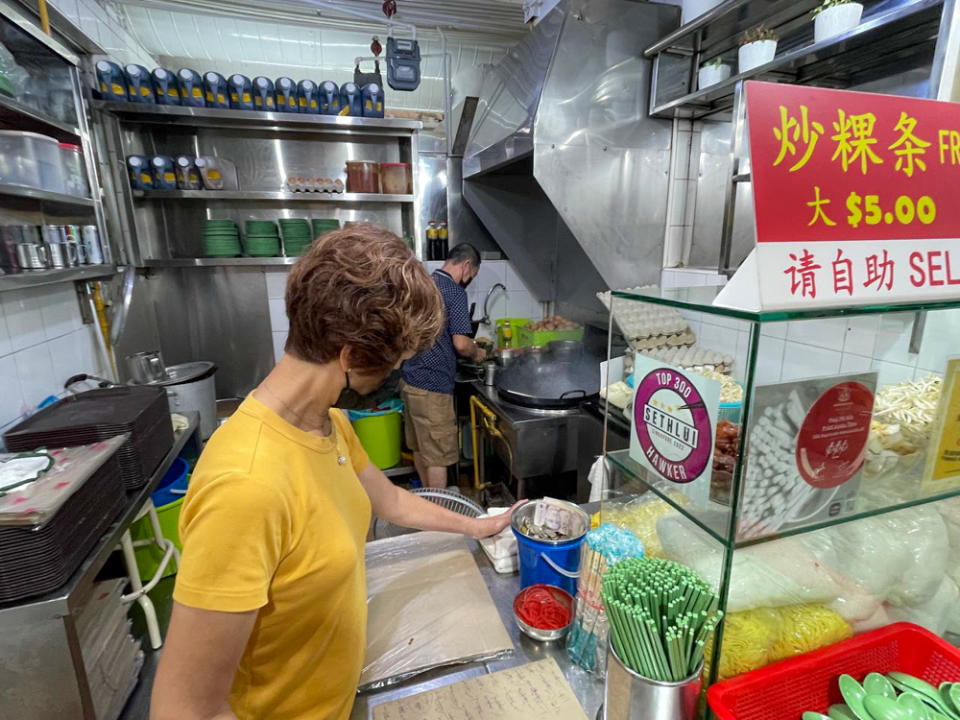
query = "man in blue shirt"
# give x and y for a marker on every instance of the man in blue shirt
(429, 418)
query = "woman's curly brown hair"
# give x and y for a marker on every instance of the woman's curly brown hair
(361, 288)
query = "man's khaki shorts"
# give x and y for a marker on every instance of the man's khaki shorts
(430, 425)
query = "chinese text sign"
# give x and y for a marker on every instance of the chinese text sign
(855, 196)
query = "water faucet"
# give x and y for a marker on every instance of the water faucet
(486, 301)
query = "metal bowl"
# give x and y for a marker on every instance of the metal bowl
(537, 633)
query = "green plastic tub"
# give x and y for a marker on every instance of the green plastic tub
(379, 431)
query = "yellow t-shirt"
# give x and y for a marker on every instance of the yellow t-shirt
(273, 522)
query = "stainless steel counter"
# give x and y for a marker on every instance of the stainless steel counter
(503, 588)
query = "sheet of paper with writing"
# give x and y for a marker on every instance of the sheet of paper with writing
(529, 692)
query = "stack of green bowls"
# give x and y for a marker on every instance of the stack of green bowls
(296, 235)
(262, 238)
(324, 226)
(221, 238)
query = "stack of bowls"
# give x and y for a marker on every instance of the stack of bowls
(324, 226)
(262, 238)
(221, 238)
(296, 235)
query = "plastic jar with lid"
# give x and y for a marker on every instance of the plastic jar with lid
(74, 172)
(396, 178)
(363, 177)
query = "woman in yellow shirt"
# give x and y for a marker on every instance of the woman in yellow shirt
(269, 613)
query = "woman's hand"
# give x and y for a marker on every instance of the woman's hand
(487, 526)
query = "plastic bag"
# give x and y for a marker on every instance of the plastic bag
(773, 574)
(15, 76)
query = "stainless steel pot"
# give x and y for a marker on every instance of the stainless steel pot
(146, 367)
(191, 387)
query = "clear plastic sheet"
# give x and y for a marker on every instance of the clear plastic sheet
(13, 73)
(37, 501)
(428, 607)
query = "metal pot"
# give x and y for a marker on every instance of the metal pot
(146, 367)
(190, 387)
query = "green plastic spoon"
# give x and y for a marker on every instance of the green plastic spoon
(909, 683)
(854, 696)
(916, 707)
(841, 712)
(881, 707)
(877, 684)
(810, 715)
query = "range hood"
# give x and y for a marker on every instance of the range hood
(563, 165)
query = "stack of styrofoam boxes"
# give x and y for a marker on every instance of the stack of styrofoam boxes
(111, 657)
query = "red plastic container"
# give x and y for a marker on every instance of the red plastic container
(786, 689)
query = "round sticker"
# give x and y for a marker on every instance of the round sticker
(673, 426)
(832, 440)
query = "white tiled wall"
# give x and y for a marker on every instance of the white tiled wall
(517, 301)
(43, 341)
(809, 348)
(106, 30)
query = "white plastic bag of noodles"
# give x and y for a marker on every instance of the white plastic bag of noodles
(899, 558)
(936, 614)
(774, 574)
(950, 512)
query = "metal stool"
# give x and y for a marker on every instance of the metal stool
(127, 545)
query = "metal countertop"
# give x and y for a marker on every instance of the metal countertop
(516, 413)
(503, 588)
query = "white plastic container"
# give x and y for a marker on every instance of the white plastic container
(50, 162)
(756, 54)
(836, 20)
(711, 75)
(18, 158)
(74, 174)
(692, 9)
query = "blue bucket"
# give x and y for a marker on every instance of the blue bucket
(174, 484)
(549, 562)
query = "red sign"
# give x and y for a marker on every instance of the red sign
(832, 440)
(854, 195)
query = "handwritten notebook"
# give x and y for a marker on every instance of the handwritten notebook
(533, 691)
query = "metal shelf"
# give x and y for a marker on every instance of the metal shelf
(17, 114)
(33, 278)
(225, 118)
(907, 35)
(218, 262)
(270, 196)
(61, 201)
(71, 596)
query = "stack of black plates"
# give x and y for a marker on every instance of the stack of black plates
(35, 559)
(95, 415)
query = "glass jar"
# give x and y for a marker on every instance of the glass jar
(363, 177)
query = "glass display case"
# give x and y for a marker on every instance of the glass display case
(803, 462)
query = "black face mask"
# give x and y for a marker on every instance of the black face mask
(350, 399)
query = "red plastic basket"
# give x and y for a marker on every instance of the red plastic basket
(784, 690)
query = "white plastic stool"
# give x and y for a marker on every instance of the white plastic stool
(127, 545)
